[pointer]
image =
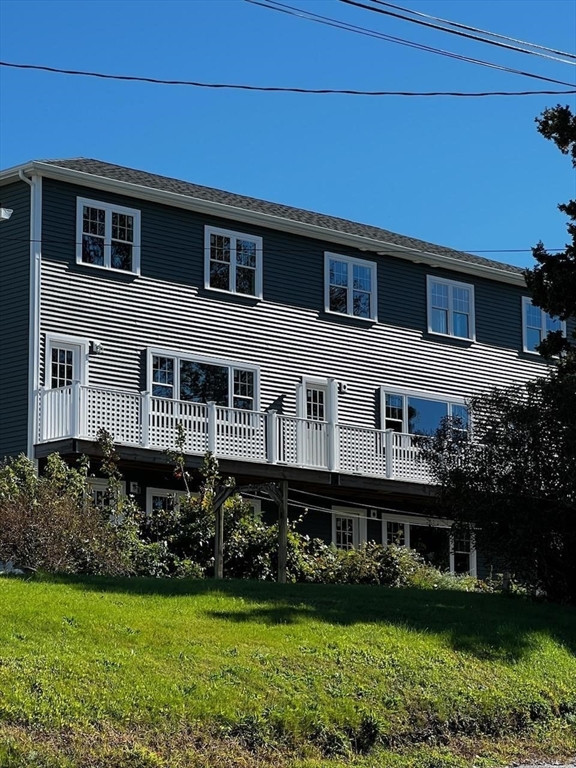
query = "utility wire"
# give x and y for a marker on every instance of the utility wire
(345, 502)
(275, 5)
(279, 89)
(442, 29)
(475, 29)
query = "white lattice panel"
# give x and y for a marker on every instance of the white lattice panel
(362, 450)
(240, 434)
(165, 414)
(119, 413)
(407, 461)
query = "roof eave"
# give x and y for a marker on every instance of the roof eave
(263, 219)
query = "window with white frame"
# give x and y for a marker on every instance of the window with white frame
(100, 491)
(349, 527)
(107, 236)
(203, 380)
(350, 286)
(420, 414)
(462, 552)
(536, 324)
(450, 308)
(233, 262)
(396, 533)
(163, 500)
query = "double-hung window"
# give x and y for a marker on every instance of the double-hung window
(450, 308)
(350, 286)
(420, 414)
(203, 380)
(107, 236)
(233, 262)
(536, 324)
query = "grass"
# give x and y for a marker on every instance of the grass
(146, 673)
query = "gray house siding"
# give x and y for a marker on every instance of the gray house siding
(14, 319)
(287, 334)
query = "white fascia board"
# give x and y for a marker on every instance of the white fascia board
(267, 220)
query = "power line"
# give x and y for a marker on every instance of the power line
(279, 89)
(444, 29)
(345, 502)
(475, 29)
(275, 5)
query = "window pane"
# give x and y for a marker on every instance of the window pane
(121, 256)
(362, 278)
(361, 304)
(533, 316)
(553, 323)
(243, 390)
(219, 275)
(122, 227)
(220, 248)
(245, 280)
(395, 533)
(162, 376)
(338, 299)
(93, 221)
(201, 382)
(460, 412)
(424, 416)
(440, 320)
(394, 407)
(338, 272)
(440, 295)
(461, 300)
(533, 338)
(461, 325)
(246, 253)
(344, 533)
(93, 250)
(315, 404)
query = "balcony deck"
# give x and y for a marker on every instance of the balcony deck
(139, 420)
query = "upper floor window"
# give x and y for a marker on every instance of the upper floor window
(350, 286)
(233, 262)
(450, 308)
(203, 380)
(420, 414)
(536, 324)
(107, 236)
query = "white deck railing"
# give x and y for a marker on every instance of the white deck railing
(267, 437)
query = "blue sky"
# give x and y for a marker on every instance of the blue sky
(468, 173)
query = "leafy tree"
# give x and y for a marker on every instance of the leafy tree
(514, 481)
(553, 280)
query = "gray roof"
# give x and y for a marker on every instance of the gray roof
(167, 184)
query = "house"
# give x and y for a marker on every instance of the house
(294, 345)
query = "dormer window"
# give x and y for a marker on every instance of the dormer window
(108, 236)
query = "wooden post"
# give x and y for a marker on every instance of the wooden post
(283, 533)
(219, 543)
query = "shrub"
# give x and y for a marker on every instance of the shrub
(49, 522)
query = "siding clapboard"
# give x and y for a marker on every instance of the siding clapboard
(288, 334)
(14, 319)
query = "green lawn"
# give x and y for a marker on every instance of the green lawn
(144, 673)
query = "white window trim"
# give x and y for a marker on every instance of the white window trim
(472, 316)
(405, 393)
(328, 255)
(225, 363)
(527, 302)
(109, 208)
(101, 484)
(165, 493)
(56, 339)
(258, 278)
(472, 554)
(360, 527)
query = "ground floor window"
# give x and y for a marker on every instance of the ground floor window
(433, 540)
(348, 527)
(100, 491)
(162, 500)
